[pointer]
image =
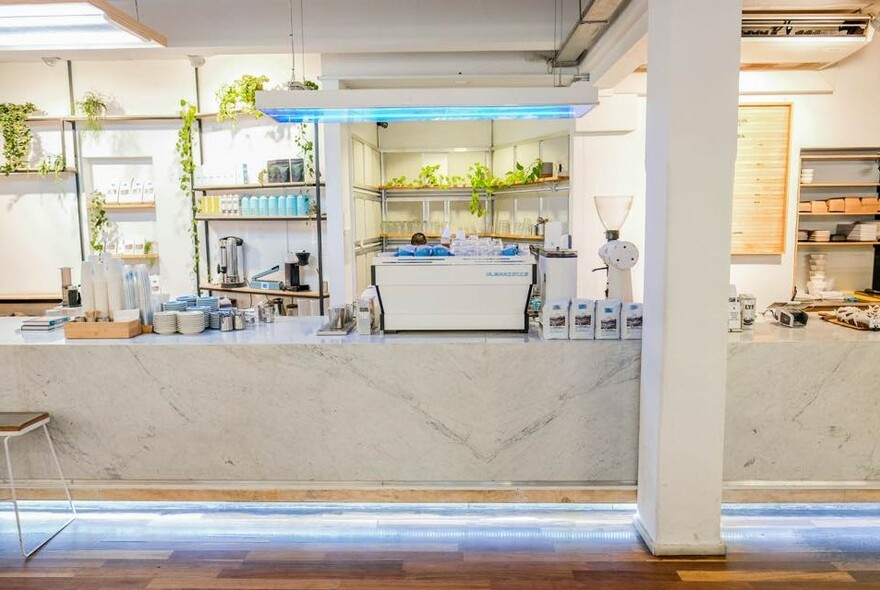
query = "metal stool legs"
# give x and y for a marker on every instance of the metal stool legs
(27, 554)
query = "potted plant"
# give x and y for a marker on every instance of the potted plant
(187, 169)
(98, 221)
(240, 97)
(94, 107)
(52, 164)
(17, 136)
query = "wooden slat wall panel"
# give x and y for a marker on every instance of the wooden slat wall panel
(760, 189)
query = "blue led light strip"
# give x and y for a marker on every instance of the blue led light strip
(391, 114)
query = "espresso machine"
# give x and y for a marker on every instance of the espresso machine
(293, 271)
(231, 267)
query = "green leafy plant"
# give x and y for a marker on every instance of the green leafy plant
(306, 145)
(398, 182)
(481, 178)
(522, 175)
(17, 136)
(94, 107)
(428, 176)
(98, 221)
(148, 247)
(52, 164)
(187, 169)
(240, 97)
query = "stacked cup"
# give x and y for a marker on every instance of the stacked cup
(818, 282)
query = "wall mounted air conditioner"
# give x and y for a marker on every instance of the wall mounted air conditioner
(802, 41)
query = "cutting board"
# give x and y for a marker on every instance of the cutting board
(101, 330)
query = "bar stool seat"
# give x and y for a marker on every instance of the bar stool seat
(14, 424)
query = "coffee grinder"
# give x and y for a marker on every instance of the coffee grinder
(293, 271)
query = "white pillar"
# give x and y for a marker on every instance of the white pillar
(693, 68)
(339, 269)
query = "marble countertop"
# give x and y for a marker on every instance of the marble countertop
(301, 330)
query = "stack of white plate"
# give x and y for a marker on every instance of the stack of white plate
(205, 310)
(165, 322)
(190, 322)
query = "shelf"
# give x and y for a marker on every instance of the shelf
(267, 292)
(481, 234)
(253, 187)
(841, 185)
(838, 157)
(35, 172)
(258, 218)
(106, 118)
(515, 237)
(837, 244)
(837, 214)
(545, 185)
(128, 206)
(136, 256)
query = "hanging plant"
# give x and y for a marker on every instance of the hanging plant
(98, 221)
(240, 97)
(52, 164)
(522, 175)
(94, 107)
(17, 136)
(187, 169)
(306, 145)
(481, 178)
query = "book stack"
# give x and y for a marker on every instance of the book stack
(863, 232)
(43, 324)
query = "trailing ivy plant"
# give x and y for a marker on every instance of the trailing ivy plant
(304, 143)
(481, 178)
(522, 175)
(94, 107)
(240, 97)
(187, 169)
(52, 164)
(17, 136)
(98, 221)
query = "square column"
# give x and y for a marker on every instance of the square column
(692, 99)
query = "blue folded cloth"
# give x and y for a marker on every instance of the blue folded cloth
(442, 251)
(510, 251)
(424, 250)
(406, 251)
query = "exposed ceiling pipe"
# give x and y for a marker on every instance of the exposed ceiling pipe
(595, 16)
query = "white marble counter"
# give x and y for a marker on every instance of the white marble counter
(278, 403)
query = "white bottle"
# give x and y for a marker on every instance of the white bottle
(608, 319)
(582, 319)
(87, 286)
(102, 304)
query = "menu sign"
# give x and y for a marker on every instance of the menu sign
(760, 188)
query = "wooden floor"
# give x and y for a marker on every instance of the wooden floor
(287, 547)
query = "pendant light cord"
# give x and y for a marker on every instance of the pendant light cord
(302, 38)
(292, 45)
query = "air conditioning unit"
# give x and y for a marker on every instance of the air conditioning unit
(802, 41)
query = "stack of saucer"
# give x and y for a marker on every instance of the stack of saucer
(188, 299)
(205, 311)
(190, 322)
(174, 306)
(211, 302)
(214, 320)
(165, 322)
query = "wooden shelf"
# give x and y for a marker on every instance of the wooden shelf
(837, 244)
(136, 256)
(833, 157)
(258, 218)
(128, 206)
(482, 235)
(35, 172)
(253, 187)
(267, 292)
(831, 214)
(841, 185)
(515, 237)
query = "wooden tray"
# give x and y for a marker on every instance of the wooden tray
(101, 330)
(831, 319)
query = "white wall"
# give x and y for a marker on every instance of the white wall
(836, 107)
(40, 214)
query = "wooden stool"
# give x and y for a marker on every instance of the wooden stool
(14, 424)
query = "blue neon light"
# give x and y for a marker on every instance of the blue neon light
(448, 113)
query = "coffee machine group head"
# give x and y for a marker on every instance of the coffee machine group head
(231, 267)
(293, 271)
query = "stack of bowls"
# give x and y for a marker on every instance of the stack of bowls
(188, 299)
(174, 306)
(214, 320)
(818, 281)
(165, 322)
(191, 322)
